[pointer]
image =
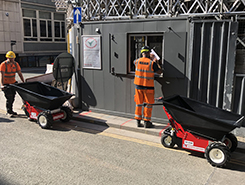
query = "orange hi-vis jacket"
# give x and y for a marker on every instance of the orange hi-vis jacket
(9, 71)
(144, 73)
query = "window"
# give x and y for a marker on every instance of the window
(36, 61)
(30, 25)
(51, 26)
(45, 30)
(43, 60)
(137, 41)
(45, 26)
(59, 27)
(27, 27)
(32, 61)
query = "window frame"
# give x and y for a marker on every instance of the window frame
(60, 38)
(46, 38)
(146, 35)
(46, 29)
(31, 30)
(57, 19)
(62, 32)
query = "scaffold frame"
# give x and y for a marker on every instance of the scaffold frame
(129, 9)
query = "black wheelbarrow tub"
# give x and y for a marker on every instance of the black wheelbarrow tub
(200, 118)
(41, 95)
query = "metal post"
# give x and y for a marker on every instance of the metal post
(80, 94)
(88, 9)
(130, 10)
(79, 81)
(221, 9)
(170, 5)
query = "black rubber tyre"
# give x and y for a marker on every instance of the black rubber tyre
(217, 154)
(231, 142)
(67, 114)
(168, 129)
(167, 141)
(45, 120)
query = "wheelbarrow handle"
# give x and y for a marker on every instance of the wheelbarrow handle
(145, 104)
(160, 99)
(238, 122)
(3, 87)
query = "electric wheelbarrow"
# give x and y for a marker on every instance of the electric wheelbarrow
(200, 127)
(43, 102)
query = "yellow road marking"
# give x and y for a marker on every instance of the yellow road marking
(125, 138)
(2, 111)
(131, 139)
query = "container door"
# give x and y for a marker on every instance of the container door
(117, 48)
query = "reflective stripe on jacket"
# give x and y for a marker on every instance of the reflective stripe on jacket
(144, 73)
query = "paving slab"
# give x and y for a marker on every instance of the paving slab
(118, 122)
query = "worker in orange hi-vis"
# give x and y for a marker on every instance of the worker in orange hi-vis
(8, 68)
(145, 68)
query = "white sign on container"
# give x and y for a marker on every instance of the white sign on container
(91, 52)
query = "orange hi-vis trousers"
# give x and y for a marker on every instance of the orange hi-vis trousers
(143, 96)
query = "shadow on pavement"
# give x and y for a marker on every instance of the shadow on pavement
(78, 126)
(58, 126)
(237, 162)
(6, 120)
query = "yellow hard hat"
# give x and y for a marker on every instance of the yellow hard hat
(145, 49)
(10, 54)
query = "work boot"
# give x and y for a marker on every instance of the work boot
(139, 124)
(148, 124)
(12, 112)
(10, 115)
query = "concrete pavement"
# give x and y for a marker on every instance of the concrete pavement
(109, 121)
(130, 124)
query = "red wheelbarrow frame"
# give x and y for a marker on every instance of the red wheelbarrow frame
(189, 141)
(34, 112)
(45, 117)
(217, 153)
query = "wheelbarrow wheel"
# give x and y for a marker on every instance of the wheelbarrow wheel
(45, 120)
(217, 154)
(167, 141)
(231, 142)
(67, 114)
